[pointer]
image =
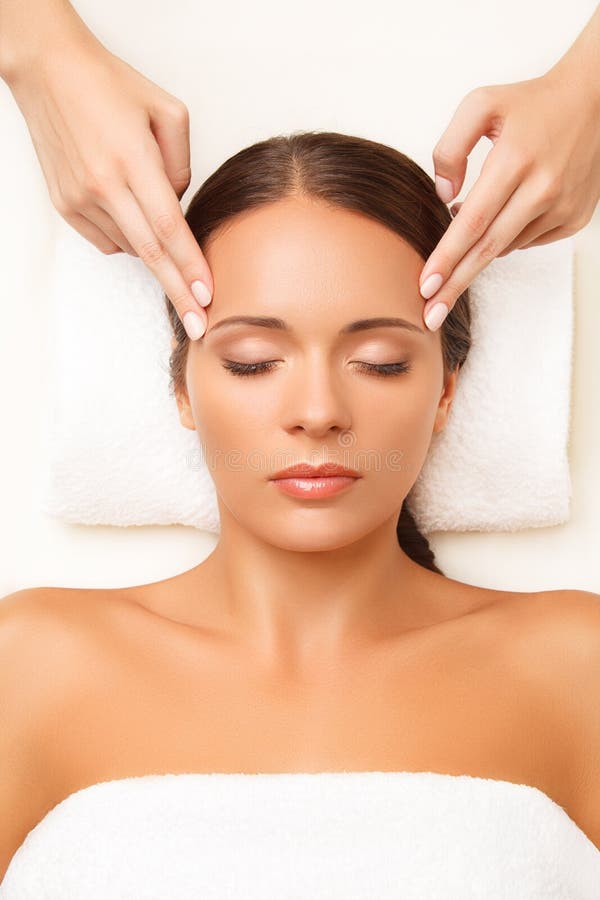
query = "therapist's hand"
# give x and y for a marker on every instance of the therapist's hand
(539, 183)
(114, 149)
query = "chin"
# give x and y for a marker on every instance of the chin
(311, 537)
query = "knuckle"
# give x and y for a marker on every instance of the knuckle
(179, 112)
(444, 262)
(489, 248)
(76, 199)
(181, 180)
(514, 160)
(523, 162)
(474, 221)
(165, 226)
(551, 188)
(570, 230)
(95, 184)
(151, 252)
(479, 94)
(62, 206)
(580, 220)
(442, 158)
(566, 230)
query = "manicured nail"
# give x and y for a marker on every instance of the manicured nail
(444, 189)
(193, 325)
(201, 293)
(436, 315)
(431, 285)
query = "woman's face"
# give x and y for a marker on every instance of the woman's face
(318, 269)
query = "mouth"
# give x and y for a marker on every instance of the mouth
(314, 487)
(325, 470)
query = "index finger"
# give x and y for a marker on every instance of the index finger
(498, 180)
(159, 203)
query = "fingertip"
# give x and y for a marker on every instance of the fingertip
(435, 315)
(444, 189)
(201, 292)
(194, 324)
(431, 285)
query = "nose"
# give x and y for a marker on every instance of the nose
(314, 400)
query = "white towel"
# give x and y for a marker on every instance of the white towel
(118, 454)
(323, 836)
(501, 463)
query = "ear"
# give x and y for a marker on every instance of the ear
(185, 410)
(183, 401)
(443, 410)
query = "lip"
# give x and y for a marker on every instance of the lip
(312, 488)
(324, 471)
(312, 482)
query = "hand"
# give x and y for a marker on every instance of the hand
(539, 183)
(114, 149)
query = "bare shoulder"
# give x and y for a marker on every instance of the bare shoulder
(561, 635)
(561, 619)
(557, 633)
(45, 634)
(571, 606)
(30, 621)
(40, 629)
(41, 637)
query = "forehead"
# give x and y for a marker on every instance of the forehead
(301, 255)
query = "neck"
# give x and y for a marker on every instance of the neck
(300, 606)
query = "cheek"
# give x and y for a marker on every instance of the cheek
(232, 428)
(400, 438)
(409, 411)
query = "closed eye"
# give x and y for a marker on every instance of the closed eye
(380, 369)
(397, 368)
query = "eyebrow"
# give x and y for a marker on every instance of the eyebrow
(351, 328)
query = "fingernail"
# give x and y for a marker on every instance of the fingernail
(431, 285)
(201, 293)
(436, 315)
(193, 325)
(444, 189)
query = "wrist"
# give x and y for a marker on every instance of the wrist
(22, 46)
(580, 65)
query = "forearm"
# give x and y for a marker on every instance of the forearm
(582, 59)
(29, 27)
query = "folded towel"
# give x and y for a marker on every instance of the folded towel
(501, 463)
(118, 454)
(346, 835)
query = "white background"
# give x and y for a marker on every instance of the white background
(385, 70)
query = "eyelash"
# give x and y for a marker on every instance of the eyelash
(381, 370)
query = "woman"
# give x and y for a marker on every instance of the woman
(319, 636)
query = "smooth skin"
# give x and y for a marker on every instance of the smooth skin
(307, 640)
(540, 182)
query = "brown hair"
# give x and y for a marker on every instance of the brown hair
(355, 174)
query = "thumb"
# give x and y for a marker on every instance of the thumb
(171, 130)
(473, 119)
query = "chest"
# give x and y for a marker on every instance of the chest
(448, 704)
